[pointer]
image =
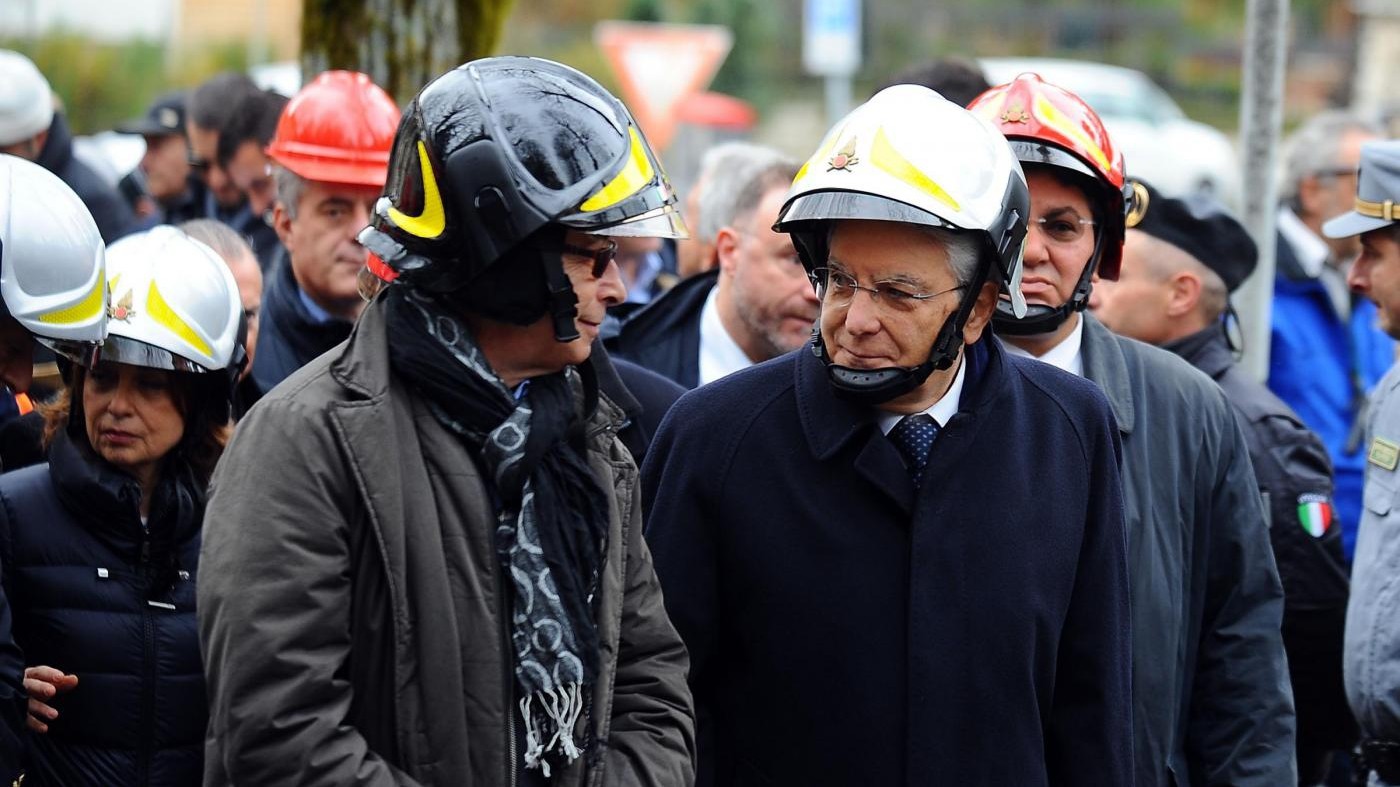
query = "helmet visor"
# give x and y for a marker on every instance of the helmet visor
(833, 205)
(119, 349)
(81, 353)
(663, 222)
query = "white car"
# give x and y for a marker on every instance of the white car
(1160, 144)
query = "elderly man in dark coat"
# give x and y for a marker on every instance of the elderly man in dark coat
(893, 564)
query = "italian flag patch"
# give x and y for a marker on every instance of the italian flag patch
(1315, 514)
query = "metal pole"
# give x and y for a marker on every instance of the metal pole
(838, 98)
(1261, 124)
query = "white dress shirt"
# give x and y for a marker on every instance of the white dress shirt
(719, 353)
(941, 411)
(1067, 355)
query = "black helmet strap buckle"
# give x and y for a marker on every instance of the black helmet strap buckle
(563, 301)
(877, 386)
(1044, 319)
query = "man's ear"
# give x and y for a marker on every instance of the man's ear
(727, 250)
(1184, 293)
(981, 314)
(281, 222)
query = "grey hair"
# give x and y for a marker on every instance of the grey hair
(773, 175)
(289, 189)
(218, 236)
(1316, 147)
(724, 171)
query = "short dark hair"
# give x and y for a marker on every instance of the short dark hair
(254, 120)
(957, 79)
(214, 104)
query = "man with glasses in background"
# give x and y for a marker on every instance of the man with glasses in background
(1211, 696)
(212, 112)
(869, 589)
(756, 306)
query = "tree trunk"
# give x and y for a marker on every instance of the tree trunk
(400, 44)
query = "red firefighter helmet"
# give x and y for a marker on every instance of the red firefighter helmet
(1049, 125)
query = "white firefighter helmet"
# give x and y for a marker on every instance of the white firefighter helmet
(908, 155)
(51, 260)
(174, 304)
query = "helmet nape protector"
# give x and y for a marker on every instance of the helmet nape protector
(881, 163)
(489, 155)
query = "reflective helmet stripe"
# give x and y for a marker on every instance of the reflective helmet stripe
(1051, 116)
(884, 156)
(80, 312)
(160, 311)
(432, 220)
(635, 175)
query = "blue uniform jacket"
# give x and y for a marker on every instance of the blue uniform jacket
(1323, 368)
(845, 628)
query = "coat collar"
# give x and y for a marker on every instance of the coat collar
(1206, 350)
(831, 423)
(1105, 365)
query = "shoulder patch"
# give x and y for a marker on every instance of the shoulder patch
(1315, 514)
(1383, 454)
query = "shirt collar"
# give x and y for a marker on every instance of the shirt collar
(719, 353)
(1312, 251)
(941, 411)
(313, 309)
(1067, 355)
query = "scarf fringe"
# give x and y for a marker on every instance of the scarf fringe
(561, 707)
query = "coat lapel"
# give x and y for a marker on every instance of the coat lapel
(1104, 364)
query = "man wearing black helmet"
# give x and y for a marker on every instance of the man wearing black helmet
(451, 583)
(870, 588)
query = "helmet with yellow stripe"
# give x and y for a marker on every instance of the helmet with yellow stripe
(910, 156)
(51, 260)
(174, 306)
(492, 163)
(1049, 126)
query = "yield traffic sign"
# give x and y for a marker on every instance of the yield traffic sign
(661, 65)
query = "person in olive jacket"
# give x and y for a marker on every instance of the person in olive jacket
(423, 562)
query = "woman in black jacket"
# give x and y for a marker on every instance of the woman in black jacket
(99, 546)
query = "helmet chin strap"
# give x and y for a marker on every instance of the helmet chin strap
(1045, 319)
(877, 386)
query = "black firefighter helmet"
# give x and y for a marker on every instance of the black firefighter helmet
(493, 161)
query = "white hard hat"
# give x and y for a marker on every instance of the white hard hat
(174, 304)
(51, 260)
(26, 103)
(908, 155)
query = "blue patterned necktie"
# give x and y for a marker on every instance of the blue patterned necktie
(914, 436)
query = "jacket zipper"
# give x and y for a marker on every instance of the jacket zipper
(508, 682)
(148, 678)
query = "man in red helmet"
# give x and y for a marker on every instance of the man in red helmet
(1211, 697)
(330, 159)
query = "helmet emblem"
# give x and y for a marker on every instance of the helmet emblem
(1016, 114)
(845, 158)
(121, 310)
(1137, 205)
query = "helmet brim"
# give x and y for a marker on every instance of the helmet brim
(663, 222)
(843, 205)
(119, 349)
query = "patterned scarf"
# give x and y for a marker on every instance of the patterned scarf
(553, 516)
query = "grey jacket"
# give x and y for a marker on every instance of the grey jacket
(1211, 697)
(350, 601)
(1372, 651)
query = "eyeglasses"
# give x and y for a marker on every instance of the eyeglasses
(197, 164)
(602, 257)
(839, 288)
(1065, 228)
